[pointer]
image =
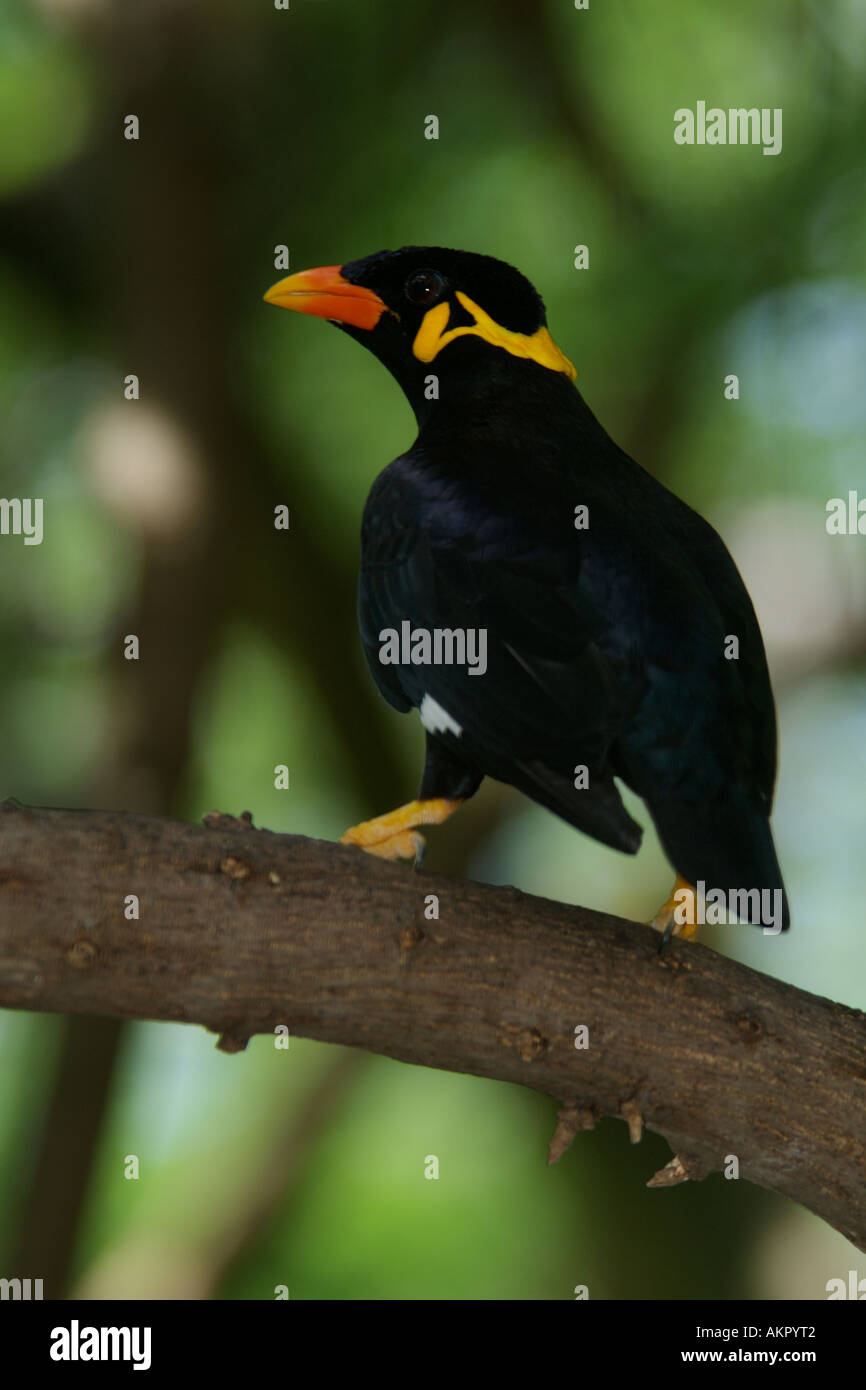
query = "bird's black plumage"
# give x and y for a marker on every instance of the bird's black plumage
(606, 644)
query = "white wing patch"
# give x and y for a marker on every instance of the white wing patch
(437, 720)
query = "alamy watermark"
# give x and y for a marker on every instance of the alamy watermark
(21, 1290)
(77, 1343)
(715, 907)
(739, 125)
(22, 516)
(438, 646)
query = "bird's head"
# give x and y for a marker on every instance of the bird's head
(428, 310)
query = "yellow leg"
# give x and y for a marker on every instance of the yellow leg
(664, 918)
(394, 836)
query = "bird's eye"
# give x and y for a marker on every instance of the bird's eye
(424, 287)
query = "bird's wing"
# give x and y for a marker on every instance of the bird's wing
(758, 721)
(706, 725)
(549, 700)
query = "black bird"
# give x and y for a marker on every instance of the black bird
(556, 615)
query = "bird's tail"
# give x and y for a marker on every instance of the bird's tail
(726, 849)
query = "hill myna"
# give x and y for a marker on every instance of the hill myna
(557, 616)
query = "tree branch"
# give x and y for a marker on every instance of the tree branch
(242, 930)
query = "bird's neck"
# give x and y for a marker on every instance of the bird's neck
(529, 406)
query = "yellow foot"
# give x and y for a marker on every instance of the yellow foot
(394, 836)
(664, 918)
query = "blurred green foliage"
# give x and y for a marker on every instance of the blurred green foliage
(306, 127)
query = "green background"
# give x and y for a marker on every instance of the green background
(260, 127)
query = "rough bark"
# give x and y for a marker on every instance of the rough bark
(242, 931)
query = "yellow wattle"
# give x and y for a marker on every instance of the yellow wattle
(434, 335)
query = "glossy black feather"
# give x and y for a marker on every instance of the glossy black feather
(605, 645)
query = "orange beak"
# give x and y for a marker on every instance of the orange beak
(326, 294)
